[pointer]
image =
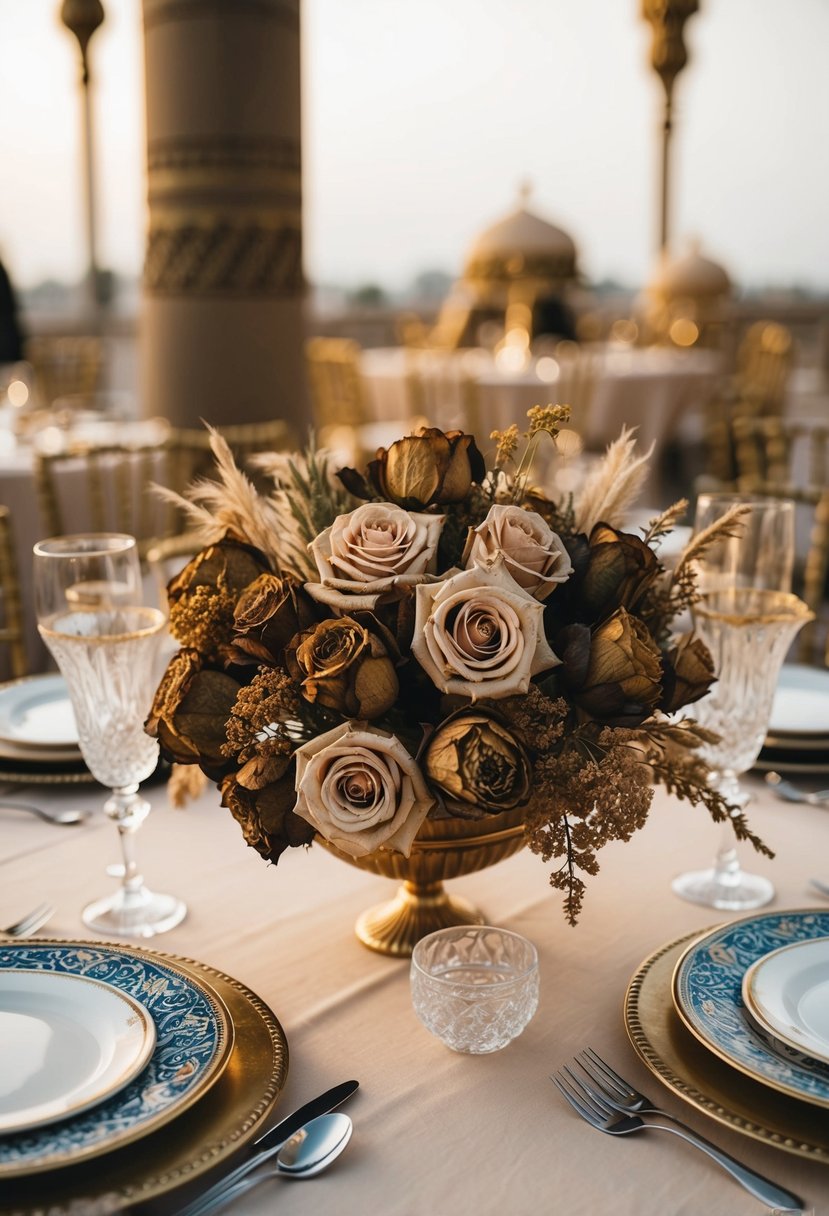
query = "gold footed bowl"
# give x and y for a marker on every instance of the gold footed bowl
(443, 849)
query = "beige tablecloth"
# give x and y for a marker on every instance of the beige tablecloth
(440, 1134)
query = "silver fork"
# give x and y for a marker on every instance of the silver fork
(31, 923)
(592, 1105)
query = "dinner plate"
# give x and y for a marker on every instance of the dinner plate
(707, 993)
(794, 763)
(47, 756)
(207, 1134)
(801, 702)
(194, 1036)
(66, 1043)
(787, 992)
(36, 712)
(699, 1078)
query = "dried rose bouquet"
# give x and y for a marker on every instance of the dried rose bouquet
(361, 651)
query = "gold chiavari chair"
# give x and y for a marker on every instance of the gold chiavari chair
(65, 366)
(11, 628)
(112, 488)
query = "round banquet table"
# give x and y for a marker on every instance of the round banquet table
(653, 389)
(438, 1134)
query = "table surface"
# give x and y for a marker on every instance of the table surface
(436, 1133)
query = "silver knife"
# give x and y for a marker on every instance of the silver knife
(269, 1144)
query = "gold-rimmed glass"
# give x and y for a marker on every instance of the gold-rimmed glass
(748, 619)
(88, 597)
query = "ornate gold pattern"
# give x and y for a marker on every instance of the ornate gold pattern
(231, 152)
(226, 256)
(444, 848)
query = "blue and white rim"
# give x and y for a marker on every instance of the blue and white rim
(194, 1037)
(707, 989)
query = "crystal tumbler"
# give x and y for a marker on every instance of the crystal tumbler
(474, 986)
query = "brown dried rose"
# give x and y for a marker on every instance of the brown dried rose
(371, 551)
(345, 667)
(688, 675)
(534, 555)
(479, 634)
(190, 710)
(266, 816)
(203, 596)
(619, 570)
(361, 790)
(477, 764)
(422, 470)
(267, 615)
(614, 674)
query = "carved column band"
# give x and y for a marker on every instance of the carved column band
(223, 280)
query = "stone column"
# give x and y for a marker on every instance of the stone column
(222, 321)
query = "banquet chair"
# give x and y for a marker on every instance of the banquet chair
(764, 359)
(106, 489)
(65, 366)
(111, 488)
(342, 417)
(11, 620)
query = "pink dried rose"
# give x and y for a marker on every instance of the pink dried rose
(533, 553)
(479, 634)
(371, 551)
(361, 790)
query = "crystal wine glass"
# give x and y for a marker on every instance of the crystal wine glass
(745, 612)
(88, 600)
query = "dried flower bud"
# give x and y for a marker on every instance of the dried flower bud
(432, 467)
(619, 570)
(689, 673)
(477, 764)
(190, 710)
(267, 615)
(615, 673)
(345, 667)
(203, 595)
(266, 815)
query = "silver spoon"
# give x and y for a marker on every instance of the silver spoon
(65, 815)
(312, 1149)
(821, 887)
(790, 793)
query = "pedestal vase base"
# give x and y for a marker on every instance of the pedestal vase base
(396, 926)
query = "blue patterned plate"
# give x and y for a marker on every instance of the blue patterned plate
(707, 993)
(194, 1037)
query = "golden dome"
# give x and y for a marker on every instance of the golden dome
(690, 276)
(522, 245)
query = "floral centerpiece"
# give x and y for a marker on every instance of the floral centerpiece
(363, 652)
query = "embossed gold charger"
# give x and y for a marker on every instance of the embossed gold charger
(691, 1070)
(219, 1065)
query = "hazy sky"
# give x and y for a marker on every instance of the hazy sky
(422, 118)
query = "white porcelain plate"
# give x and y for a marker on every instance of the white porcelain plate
(66, 1044)
(36, 712)
(801, 702)
(788, 993)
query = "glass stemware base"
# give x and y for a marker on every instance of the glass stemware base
(133, 910)
(724, 885)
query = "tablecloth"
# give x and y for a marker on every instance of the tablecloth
(436, 1133)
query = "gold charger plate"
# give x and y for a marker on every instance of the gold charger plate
(229, 1115)
(701, 1078)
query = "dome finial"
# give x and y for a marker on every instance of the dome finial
(525, 189)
